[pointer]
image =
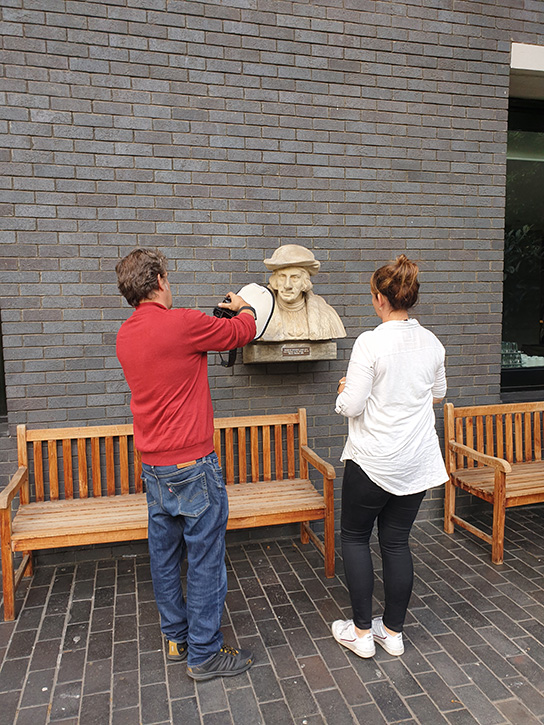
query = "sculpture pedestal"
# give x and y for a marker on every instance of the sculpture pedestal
(295, 351)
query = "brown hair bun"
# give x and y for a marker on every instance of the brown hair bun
(397, 281)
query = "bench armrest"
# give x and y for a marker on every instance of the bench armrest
(11, 490)
(317, 462)
(499, 464)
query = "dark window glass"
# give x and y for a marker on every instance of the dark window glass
(3, 401)
(523, 302)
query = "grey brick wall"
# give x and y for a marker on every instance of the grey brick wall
(218, 130)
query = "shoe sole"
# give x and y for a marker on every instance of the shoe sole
(210, 675)
(176, 658)
(351, 646)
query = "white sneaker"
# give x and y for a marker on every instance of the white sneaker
(344, 633)
(392, 643)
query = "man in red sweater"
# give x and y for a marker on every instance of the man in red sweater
(163, 353)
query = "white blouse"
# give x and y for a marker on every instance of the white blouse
(394, 373)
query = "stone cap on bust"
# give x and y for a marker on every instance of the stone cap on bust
(293, 255)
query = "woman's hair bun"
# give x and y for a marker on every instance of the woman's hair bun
(398, 282)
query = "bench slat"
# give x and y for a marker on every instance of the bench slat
(123, 463)
(53, 468)
(254, 452)
(242, 454)
(537, 437)
(267, 454)
(499, 427)
(509, 438)
(38, 471)
(278, 451)
(110, 467)
(67, 466)
(290, 450)
(83, 484)
(229, 456)
(138, 483)
(95, 467)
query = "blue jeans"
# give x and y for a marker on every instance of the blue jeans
(188, 511)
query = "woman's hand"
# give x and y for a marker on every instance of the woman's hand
(341, 385)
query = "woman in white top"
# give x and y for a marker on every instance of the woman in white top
(392, 454)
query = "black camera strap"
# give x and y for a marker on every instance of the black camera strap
(229, 362)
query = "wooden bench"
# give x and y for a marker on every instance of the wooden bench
(82, 486)
(493, 452)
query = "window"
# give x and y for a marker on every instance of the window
(3, 400)
(523, 290)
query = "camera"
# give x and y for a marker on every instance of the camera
(222, 311)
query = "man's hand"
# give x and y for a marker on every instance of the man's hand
(235, 303)
(341, 385)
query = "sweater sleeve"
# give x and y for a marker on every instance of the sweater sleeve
(359, 378)
(208, 333)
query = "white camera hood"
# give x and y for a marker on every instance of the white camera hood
(262, 300)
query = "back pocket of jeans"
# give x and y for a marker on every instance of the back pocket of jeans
(189, 497)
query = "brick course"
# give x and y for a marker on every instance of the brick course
(217, 132)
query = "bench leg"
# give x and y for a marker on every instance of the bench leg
(497, 545)
(449, 507)
(8, 577)
(29, 568)
(304, 535)
(329, 543)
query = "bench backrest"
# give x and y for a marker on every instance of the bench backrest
(102, 460)
(513, 431)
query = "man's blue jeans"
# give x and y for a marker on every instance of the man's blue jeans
(188, 511)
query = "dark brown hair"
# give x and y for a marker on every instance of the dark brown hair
(397, 281)
(137, 274)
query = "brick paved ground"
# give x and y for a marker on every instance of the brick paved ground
(86, 647)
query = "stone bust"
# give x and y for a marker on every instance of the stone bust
(299, 314)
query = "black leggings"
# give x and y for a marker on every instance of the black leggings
(362, 503)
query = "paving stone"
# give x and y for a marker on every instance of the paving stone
(8, 705)
(185, 710)
(95, 709)
(388, 701)
(369, 715)
(32, 716)
(211, 695)
(351, 687)
(478, 704)
(128, 716)
(125, 690)
(38, 688)
(276, 713)
(242, 701)
(264, 683)
(527, 694)
(298, 697)
(401, 678)
(66, 701)
(97, 677)
(316, 673)
(155, 705)
(334, 707)
(514, 712)
(152, 667)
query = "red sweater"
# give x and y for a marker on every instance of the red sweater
(163, 355)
